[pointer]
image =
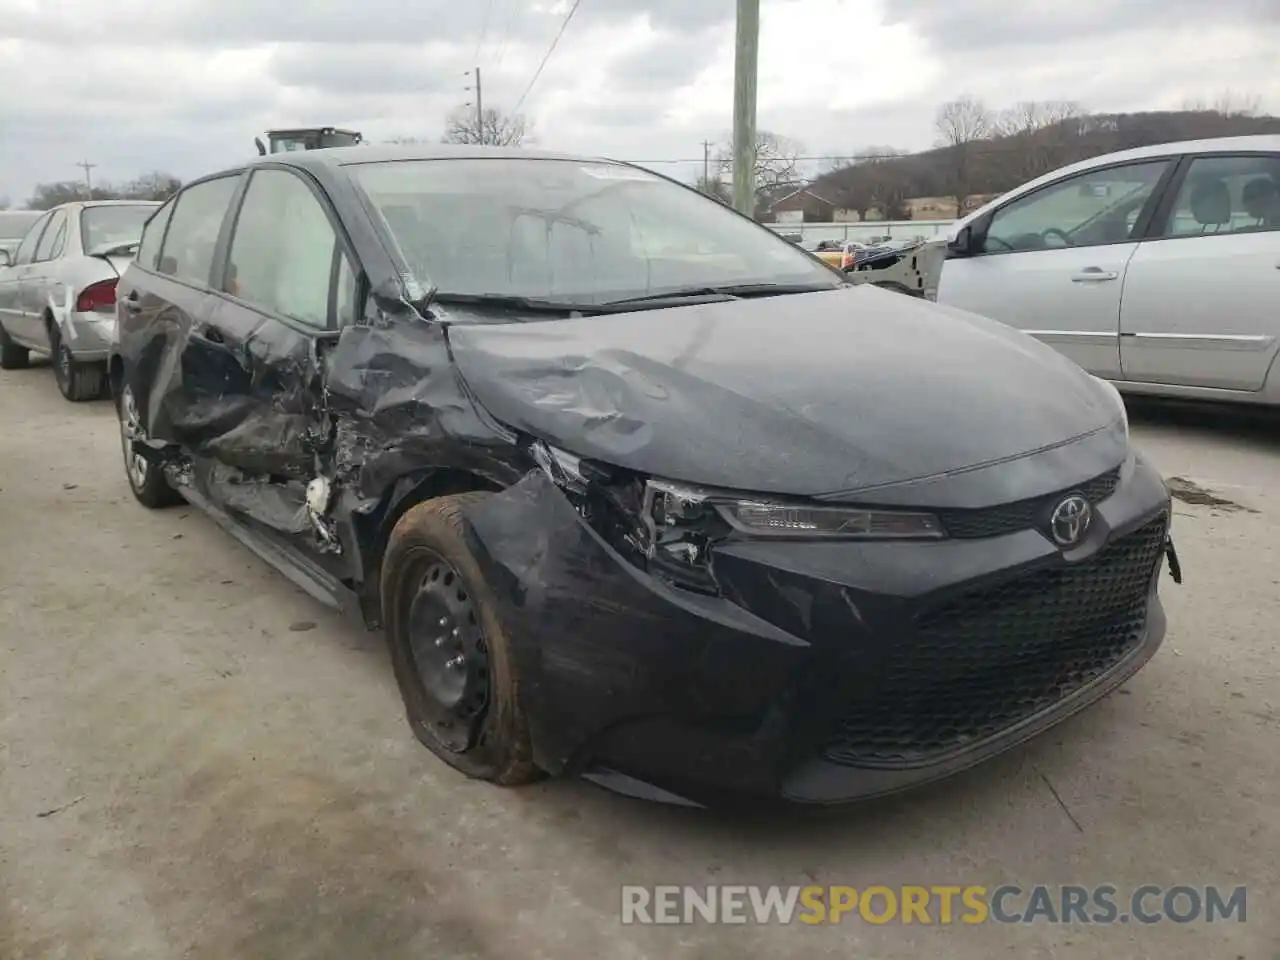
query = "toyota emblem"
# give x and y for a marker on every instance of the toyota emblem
(1070, 520)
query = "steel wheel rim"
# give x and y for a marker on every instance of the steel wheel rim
(131, 429)
(448, 651)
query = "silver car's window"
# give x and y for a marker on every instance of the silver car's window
(194, 227)
(153, 236)
(1095, 207)
(104, 228)
(1227, 195)
(570, 230)
(28, 246)
(54, 237)
(282, 252)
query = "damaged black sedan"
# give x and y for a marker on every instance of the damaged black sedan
(636, 489)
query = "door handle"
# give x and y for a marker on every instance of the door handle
(1094, 275)
(213, 335)
(131, 303)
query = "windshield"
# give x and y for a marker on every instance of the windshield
(114, 226)
(14, 224)
(570, 231)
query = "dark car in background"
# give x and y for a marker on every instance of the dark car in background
(636, 488)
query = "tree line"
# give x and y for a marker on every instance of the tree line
(150, 186)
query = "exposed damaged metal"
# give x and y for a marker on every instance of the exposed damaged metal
(667, 538)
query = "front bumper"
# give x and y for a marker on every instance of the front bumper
(826, 672)
(89, 335)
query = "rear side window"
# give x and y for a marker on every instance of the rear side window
(153, 236)
(54, 239)
(285, 252)
(194, 227)
(112, 227)
(27, 249)
(1227, 195)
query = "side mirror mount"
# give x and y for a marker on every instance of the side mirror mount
(262, 150)
(961, 245)
(5, 259)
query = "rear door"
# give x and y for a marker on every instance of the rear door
(1052, 262)
(11, 312)
(37, 278)
(287, 288)
(1200, 297)
(163, 301)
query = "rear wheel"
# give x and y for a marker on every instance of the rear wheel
(76, 381)
(147, 481)
(451, 656)
(12, 356)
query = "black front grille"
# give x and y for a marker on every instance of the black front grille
(1022, 514)
(983, 662)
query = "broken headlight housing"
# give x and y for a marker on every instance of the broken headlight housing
(669, 528)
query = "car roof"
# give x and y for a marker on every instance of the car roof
(346, 156)
(1267, 143)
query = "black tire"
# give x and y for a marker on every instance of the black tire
(76, 381)
(425, 551)
(149, 486)
(12, 356)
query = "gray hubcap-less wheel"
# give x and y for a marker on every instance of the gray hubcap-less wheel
(131, 428)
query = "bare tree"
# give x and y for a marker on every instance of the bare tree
(715, 187)
(493, 128)
(1228, 103)
(961, 124)
(156, 185)
(1037, 136)
(777, 162)
(869, 180)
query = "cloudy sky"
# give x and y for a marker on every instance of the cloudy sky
(184, 85)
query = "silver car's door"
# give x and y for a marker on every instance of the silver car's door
(11, 312)
(1052, 262)
(1199, 307)
(36, 279)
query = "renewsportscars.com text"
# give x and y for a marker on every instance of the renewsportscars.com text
(941, 904)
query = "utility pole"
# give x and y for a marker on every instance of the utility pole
(88, 182)
(480, 137)
(706, 164)
(746, 58)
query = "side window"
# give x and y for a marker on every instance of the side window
(283, 250)
(1227, 195)
(153, 236)
(1096, 207)
(194, 227)
(55, 236)
(26, 249)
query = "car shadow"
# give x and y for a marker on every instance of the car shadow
(1254, 426)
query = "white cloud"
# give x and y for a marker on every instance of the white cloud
(185, 86)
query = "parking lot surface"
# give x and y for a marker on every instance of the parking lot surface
(197, 760)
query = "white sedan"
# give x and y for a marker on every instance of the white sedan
(1156, 268)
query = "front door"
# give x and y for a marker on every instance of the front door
(1052, 262)
(1200, 297)
(286, 289)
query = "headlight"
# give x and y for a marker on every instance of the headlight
(1121, 410)
(670, 527)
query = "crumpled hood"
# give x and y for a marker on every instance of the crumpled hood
(805, 394)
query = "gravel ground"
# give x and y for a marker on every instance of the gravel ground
(197, 760)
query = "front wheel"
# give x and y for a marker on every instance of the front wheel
(12, 356)
(147, 481)
(452, 660)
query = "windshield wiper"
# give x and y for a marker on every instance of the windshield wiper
(535, 304)
(727, 291)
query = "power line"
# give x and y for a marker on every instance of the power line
(484, 31)
(513, 12)
(550, 50)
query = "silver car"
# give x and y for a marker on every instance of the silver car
(58, 289)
